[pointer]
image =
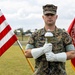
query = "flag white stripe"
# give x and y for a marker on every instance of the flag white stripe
(6, 38)
(3, 26)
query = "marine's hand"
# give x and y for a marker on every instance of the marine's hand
(47, 47)
(59, 57)
(37, 52)
(50, 56)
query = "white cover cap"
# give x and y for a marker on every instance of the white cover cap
(48, 34)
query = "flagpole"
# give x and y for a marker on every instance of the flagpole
(24, 55)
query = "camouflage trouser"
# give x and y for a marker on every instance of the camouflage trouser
(50, 70)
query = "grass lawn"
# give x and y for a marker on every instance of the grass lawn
(13, 62)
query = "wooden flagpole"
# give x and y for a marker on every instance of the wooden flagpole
(24, 55)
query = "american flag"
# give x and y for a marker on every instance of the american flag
(7, 36)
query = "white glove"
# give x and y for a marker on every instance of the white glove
(48, 47)
(37, 52)
(59, 57)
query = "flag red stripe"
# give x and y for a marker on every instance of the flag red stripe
(2, 18)
(73, 62)
(8, 44)
(5, 31)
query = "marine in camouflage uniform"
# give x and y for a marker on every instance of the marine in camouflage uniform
(59, 41)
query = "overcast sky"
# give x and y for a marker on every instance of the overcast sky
(27, 14)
